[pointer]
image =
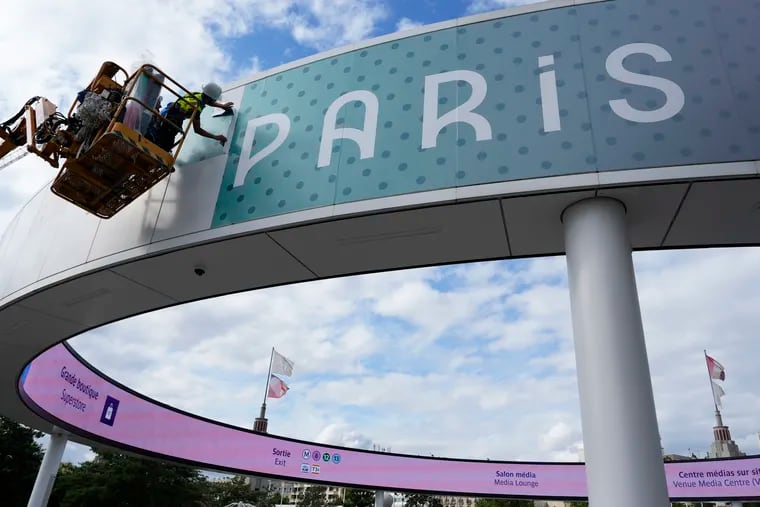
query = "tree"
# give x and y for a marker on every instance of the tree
(359, 498)
(20, 458)
(271, 498)
(314, 496)
(120, 480)
(503, 502)
(422, 500)
(234, 489)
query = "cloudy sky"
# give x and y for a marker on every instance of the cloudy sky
(468, 361)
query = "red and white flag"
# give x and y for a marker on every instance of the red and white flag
(717, 371)
(277, 388)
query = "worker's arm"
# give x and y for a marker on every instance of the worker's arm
(226, 106)
(205, 133)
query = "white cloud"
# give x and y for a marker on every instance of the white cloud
(252, 67)
(406, 24)
(341, 434)
(413, 359)
(339, 22)
(490, 5)
(54, 49)
(562, 441)
(184, 38)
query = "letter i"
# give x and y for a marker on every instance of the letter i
(549, 99)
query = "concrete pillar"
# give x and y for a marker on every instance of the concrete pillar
(624, 464)
(43, 485)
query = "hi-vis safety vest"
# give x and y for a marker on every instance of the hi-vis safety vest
(186, 104)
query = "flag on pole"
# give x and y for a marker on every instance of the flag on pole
(277, 388)
(718, 393)
(281, 364)
(715, 368)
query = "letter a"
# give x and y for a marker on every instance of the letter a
(432, 124)
(364, 138)
(246, 162)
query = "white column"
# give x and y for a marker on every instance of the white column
(624, 464)
(43, 485)
(379, 498)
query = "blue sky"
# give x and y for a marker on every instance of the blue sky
(281, 47)
(471, 360)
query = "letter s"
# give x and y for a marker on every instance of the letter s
(674, 96)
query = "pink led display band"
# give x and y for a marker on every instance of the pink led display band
(61, 387)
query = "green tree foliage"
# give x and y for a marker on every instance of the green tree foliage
(359, 498)
(314, 496)
(117, 479)
(20, 458)
(578, 504)
(422, 500)
(502, 502)
(271, 499)
(234, 489)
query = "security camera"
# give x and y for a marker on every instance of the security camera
(199, 270)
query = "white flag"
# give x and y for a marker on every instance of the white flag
(281, 364)
(718, 392)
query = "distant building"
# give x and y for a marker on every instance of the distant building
(677, 457)
(722, 446)
(458, 501)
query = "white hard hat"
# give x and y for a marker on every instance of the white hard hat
(213, 90)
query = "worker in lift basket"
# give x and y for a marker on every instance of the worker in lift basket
(162, 133)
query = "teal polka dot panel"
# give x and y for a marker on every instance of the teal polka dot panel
(395, 74)
(606, 86)
(507, 52)
(739, 44)
(708, 127)
(288, 179)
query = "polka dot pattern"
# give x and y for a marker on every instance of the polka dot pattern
(519, 147)
(685, 28)
(399, 132)
(713, 48)
(736, 31)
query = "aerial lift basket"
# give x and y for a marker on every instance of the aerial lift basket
(117, 164)
(109, 159)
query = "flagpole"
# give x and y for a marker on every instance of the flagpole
(709, 379)
(262, 415)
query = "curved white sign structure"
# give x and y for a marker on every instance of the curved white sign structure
(456, 142)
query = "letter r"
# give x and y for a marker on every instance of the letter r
(432, 123)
